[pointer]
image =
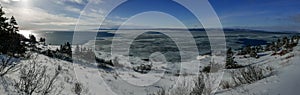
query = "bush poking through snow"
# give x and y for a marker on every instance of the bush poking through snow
(77, 88)
(49, 85)
(31, 78)
(161, 91)
(226, 85)
(206, 69)
(35, 80)
(7, 66)
(143, 69)
(182, 88)
(196, 87)
(199, 85)
(248, 75)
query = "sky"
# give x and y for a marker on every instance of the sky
(273, 15)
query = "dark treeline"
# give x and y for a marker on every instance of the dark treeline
(64, 52)
(11, 42)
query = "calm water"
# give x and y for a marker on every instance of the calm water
(234, 39)
(61, 37)
(153, 41)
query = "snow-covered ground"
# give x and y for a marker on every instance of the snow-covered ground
(284, 82)
(124, 81)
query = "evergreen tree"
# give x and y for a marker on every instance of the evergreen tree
(42, 39)
(253, 53)
(3, 31)
(32, 39)
(3, 23)
(10, 40)
(14, 28)
(230, 63)
(16, 46)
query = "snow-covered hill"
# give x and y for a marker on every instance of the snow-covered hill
(285, 81)
(109, 81)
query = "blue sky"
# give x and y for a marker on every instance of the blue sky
(279, 15)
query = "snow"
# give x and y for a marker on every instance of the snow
(124, 81)
(284, 82)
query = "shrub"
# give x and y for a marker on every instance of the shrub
(31, 79)
(248, 75)
(77, 88)
(226, 85)
(34, 79)
(183, 88)
(233, 66)
(206, 69)
(143, 68)
(199, 85)
(161, 91)
(7, 66)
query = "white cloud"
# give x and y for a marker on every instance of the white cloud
(5, 1)
(9, 1)
(72, 9)
(53, 17)
(36, 18)
(78, 1)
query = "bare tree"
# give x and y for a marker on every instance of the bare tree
(49, 85)
(31, 78)
(35, 80)
(7, 66)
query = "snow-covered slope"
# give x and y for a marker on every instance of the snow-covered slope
(124, 81)
(284, 82)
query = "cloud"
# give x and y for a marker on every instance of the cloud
(77, 1)
(59, 15)
(82, 2)
(72, 9)
(36, 18)
(5, 1)
(121, 18)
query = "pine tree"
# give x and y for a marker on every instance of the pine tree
(14, 28)
(42, 39)
(3, 31)
(10, 40)
(253, 53)
(16, 46)
(230, 63)
(3, 23)
(32, 39)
